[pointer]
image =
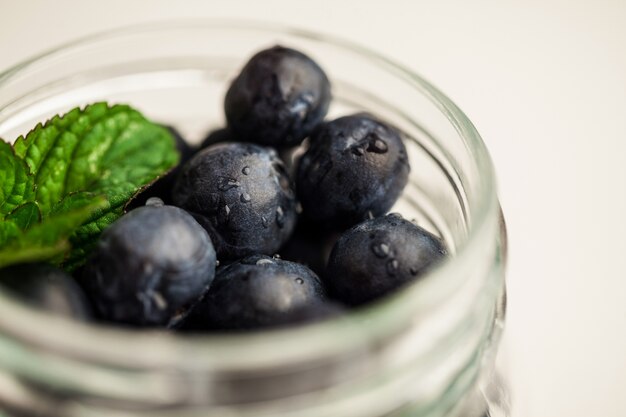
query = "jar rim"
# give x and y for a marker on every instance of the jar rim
(360, 327)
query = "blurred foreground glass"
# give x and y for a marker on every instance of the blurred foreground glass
(427, 351)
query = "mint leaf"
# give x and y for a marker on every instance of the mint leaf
(32, 253)
(25, 215)
(48, 239)
(68, 179)
(16, 185)
(9, 230)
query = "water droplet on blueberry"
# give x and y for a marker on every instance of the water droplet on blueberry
(381, 250)
(245, 170)
(377, 145)
(159, 301)
(245, 197)
(154, 201)
(226, 183)
(358, 150)
(392, 266)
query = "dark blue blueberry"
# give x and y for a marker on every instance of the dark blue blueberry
(355, 168)
(310, 246)
(291, 157)
(279, 97)
(48, 288)
(379, 256)
(257, 292)
(242, 196)
(150, 265)
(314, 312)
(218, 136)
(162, 187)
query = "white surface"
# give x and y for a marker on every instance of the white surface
(545, 83)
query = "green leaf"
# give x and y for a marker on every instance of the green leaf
(60, 225)
(16, 185)
(25, 215)
(9, 230)
(49, 239)
(33, 253)
(69, 179)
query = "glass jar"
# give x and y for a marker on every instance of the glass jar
(427, 350)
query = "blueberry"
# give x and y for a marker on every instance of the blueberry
(48, 288)
(310, 246)
(150, 265)
(162, 187)
(257, 292)
(218, 136)
(242, 196)
(313, 312)
(291, 156)
(355, 168)
(379, 256)
(278, 98)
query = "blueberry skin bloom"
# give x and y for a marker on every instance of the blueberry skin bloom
(241, 194)
(258, 292)
(379, 256)
(278, 98)
(48, 288)
(149, 265)
(356, 168)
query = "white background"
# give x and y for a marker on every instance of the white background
(545, 83)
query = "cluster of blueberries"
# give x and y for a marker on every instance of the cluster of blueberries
(235, 200)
